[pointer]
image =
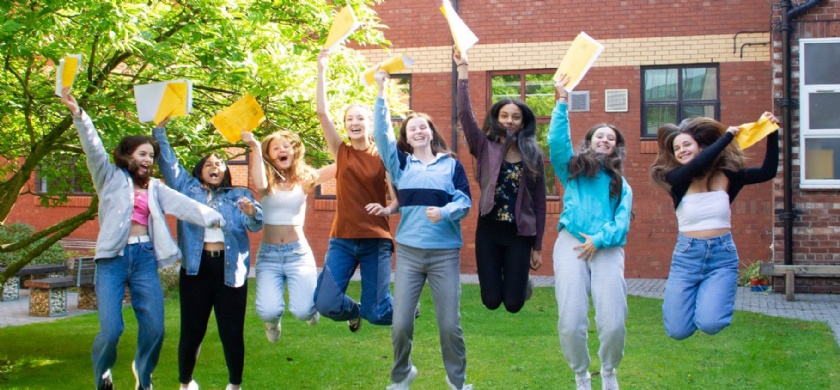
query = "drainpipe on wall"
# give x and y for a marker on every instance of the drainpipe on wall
(788, 214)
(454, 144)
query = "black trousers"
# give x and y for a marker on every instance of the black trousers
(199, 295)
(503, 260)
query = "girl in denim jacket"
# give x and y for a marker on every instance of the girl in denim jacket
(214, 271)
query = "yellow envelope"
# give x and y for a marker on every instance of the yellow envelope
(244, 114)
(66, 71)
(173, 102)
(392, 65)
(461, 34)
(753, 132)
(343, 25)
(578, 59)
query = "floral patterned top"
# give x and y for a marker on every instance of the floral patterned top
(507, 186)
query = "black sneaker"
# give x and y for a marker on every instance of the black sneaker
(107, 384)
(355, 324)
(417, 311)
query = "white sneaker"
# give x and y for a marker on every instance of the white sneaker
(314, 320)
(608, 380)
(230, 387)
(137, 379)
(272, 331)
(583, 381)
(464, 387)
(190, 386)
(404, 384)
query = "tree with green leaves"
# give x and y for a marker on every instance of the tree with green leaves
(226, 47)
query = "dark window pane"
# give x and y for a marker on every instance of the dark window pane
(539, 93)
(658, 116)
(506, 86)
(821, 61)
(822, 158)
(699, 83)
(660, 85)
(823, 111)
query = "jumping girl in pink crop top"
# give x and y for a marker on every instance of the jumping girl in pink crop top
(284, 257)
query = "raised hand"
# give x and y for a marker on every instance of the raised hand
(70, 101)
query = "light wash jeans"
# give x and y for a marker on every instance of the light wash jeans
(700, 290)
(442, 268)
(373, 257)
(574, 280)
(279, 265)
(138, 269)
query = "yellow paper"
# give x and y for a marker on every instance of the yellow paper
(578, 59)
(343, 25)
(753, 132)
(157, 101)
(245, 114)
(169, 104)
(66, 71)
(461, 34)
(392, 65)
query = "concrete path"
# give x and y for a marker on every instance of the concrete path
(811, 307)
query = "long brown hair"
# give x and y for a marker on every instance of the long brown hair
(588, 162)
(122, 156)
(525, 139)
(704, 131)
(298, 173)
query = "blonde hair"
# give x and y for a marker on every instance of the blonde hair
(298, 173)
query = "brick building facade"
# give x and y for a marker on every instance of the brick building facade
(646, 44)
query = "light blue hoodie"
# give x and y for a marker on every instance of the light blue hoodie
(587, 205)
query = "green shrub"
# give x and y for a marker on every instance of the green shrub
(17, 231)
(170, 279)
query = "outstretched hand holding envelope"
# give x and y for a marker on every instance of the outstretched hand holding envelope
(751, 133)
(244, 115)
(461, 34)
(392, 65)
(578, 59)
(66, 71)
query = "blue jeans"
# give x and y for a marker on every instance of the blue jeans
(136, 268)
(279, 265)
(700, 290)
(373, 257)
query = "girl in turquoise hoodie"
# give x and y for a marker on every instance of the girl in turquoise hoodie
(589, 251)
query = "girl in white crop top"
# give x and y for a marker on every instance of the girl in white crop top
(284, 257)
(703, 171)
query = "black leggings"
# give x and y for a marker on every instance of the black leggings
(503, 260)
(199, 295)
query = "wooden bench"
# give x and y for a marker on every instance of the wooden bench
(48, 297)
(11, 289)
(791, 271)
(83, 271)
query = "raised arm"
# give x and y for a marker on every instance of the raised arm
(684, 174)
(174, 173)
(476, 140)
(257, 165)
(559, 134)
(383, 133)
(770, 166)
(98, 162)
(323, 106)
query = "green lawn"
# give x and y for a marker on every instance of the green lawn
(504, 351)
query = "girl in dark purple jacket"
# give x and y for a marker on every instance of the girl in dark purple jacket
(508, 239)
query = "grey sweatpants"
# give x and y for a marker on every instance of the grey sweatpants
(442, 269)
(574, 279)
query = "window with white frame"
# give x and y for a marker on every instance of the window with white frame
(675, 92)
(819, 107)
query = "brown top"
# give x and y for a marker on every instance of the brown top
(360, 179)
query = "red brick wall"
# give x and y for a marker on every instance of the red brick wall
(814, 239)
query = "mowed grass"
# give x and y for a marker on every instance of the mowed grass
(504, 351)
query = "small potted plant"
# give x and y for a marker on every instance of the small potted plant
(751, 276)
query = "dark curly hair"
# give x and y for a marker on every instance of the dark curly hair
(588, 162)
(525, 139)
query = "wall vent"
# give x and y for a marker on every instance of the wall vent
(615, 100)
(579, 101)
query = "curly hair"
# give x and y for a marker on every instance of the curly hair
(122, 156)
(525, 139)
(704, 131)
(588, 162)
(299, 172)
(439, 144)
